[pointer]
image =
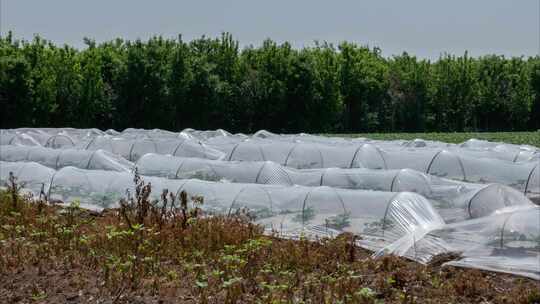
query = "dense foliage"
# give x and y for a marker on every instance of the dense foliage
(210, 83)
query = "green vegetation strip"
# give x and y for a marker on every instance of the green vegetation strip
(211, 83)
(518, 138)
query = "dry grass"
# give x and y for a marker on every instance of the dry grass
(142, 253)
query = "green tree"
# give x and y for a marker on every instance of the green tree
(534, 120)
(408, 92)
(363, 87)
(210, 83)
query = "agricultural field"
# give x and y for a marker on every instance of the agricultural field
(518, 138)
(155, 216)
(75, 256)
(368, 152)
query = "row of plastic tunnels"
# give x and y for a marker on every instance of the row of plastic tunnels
(417, 199)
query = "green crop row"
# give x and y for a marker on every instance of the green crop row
(518, 138)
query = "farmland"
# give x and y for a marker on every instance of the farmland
(79, 256)
(518, 138)
(357, 214)
(318, 153)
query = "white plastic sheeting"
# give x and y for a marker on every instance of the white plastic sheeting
(309, 185)
(508, 241)
(225, 141)
(59, 158)
(133, 148)
(452, 164)
(400, 223)
(31, 177)
(454, 200)
(489, 149)
(153, 133)
(380, 217)
(285, 152)
(23, 139)
(47, 137)
(42, 134)
(466, 167)
(500, 147)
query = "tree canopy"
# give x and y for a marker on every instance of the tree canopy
(210, 83)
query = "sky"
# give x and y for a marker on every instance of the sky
(425, 28)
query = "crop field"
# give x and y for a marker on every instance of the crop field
(155, 216)
(47, 256)
(518, 138)
(315, 154)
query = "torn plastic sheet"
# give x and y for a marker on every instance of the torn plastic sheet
(402, 223)
(508, 241)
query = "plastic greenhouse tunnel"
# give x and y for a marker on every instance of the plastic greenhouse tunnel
(59, 158)
(508, 241)
(226, 142)
(454, 200)
(413, 198)
(132, 149)
(33, 178)
(289, 211)
(403, 223)
(490, 149)
(522, 176)
(23, 139)
(48, 137)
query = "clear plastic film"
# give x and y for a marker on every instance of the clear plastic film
(380, 217)
(507, 241)
(133, 148)
(452, 164)
(59, 158)
(454, 200)
(48, 137)
(30, 176)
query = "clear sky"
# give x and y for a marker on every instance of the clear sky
(426, 28)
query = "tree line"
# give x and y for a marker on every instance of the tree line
(210, 83)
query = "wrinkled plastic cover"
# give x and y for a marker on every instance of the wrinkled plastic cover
(381, 217)
(455, 201)
(508, 241)
(31, 176)
(453, 164)
(133, 148)
(59, 158)
(47, 137)
(468, 198)
(60, 137)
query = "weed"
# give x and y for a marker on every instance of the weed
(171, 250)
